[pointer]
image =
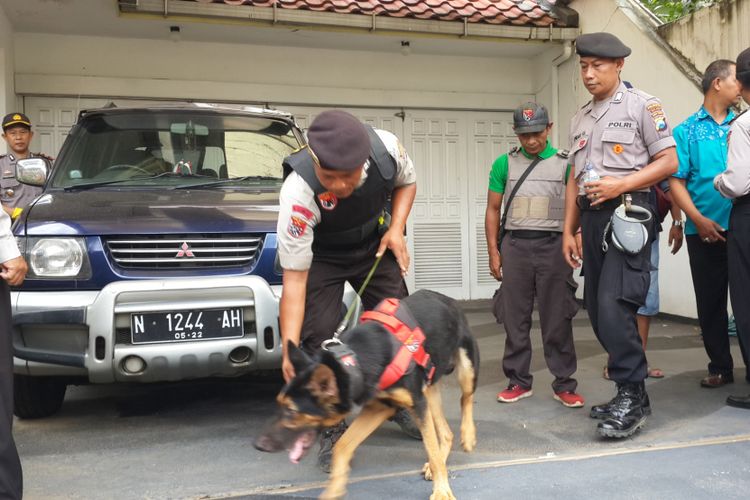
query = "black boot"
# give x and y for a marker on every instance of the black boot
(328, 439)
(404, 420)
(627, 413)
(603, 411)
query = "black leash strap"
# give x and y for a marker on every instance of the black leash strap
(501, 233)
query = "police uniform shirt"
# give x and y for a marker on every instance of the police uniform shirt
(735, 180)
(298, 212)
(618, 135)
(13, 193)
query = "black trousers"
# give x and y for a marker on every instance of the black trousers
(738, 250)
(536, 268)
(615, 286)
(329, 272)
(710, 270)
(11, 479)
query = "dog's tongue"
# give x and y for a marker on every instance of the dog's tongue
(298, 449)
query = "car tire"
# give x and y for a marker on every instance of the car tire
(37, 397)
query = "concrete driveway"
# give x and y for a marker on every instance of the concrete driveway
(193, 440)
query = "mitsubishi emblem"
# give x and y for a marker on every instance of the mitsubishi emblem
(184, 251)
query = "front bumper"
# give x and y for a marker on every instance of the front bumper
(87, 333)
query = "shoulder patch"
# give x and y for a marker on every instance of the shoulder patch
(42, 155)
(514, 151)
(563, 153)
(657, 115)
(3, 156)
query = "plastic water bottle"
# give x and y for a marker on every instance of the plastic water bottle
(589, 173)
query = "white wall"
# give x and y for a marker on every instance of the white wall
(651, 70)
(7, 92)
(88, 66)
(718, 32)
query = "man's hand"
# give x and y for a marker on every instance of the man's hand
(708, 230)
(287, 369)
(606, 188)
(675, 239)
(571, 248)
(14, 271)
(496, 265)
(394, 240)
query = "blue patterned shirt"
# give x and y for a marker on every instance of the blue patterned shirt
(702, 153)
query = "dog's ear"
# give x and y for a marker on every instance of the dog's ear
(323, 385)
(328, 359)
(297, 356)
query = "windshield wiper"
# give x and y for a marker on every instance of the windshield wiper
(92, 185)
(227, 181)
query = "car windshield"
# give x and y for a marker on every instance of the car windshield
(164, 148)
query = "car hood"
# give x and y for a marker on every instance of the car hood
(99, 212)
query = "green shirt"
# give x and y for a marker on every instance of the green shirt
(499, 172)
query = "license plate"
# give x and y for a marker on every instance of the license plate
(186, 326)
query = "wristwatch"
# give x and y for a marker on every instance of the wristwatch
(678, 223)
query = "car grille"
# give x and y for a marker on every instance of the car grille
(174, 251)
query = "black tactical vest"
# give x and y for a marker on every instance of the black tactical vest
(353, 220)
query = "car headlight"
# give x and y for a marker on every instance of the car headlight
(57, 258)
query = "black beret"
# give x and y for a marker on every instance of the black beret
(12, 119)
(601, 45)
(339, 140)
(743, 66)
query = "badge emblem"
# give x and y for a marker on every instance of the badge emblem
(581, 143)
(328, 200)
(412, 344)
(9, 193)
(348, 360)
(618, 149)
(297, 226)
(528, 114)
(184, 251)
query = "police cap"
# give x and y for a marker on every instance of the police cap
(530, 118)
(339, 140)
(601, 45)
(12, 119)
(743, 67)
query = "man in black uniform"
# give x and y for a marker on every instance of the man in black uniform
(12, 272)
(621, 144)
(330, 232)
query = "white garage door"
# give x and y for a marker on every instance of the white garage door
(452, 151)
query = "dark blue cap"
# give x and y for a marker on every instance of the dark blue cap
(339, 140)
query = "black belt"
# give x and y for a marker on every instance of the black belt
(530, 234)
(639, 198)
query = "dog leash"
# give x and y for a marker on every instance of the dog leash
(342, 326)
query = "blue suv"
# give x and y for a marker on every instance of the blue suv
(151, 251)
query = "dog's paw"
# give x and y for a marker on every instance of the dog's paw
(329, 494)
(442, 494)
(468, 439)
(427, 472)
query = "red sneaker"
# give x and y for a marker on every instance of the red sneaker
(513, 393)
(570, 399)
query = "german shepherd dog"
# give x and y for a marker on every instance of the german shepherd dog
(323, 392)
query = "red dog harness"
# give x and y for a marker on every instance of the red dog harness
(397, 318)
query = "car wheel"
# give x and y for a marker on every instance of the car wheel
(37, 397)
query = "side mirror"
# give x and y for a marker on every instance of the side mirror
(32, 171)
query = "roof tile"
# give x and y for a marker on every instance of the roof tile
(515, 12)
